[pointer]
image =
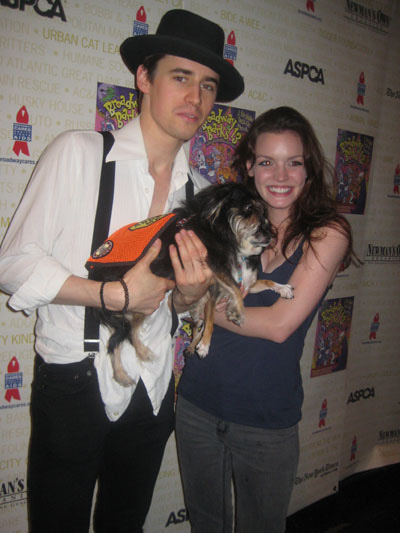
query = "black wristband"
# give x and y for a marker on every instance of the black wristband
(126, 291)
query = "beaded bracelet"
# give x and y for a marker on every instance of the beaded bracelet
(126, 292)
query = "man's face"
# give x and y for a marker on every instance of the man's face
(179, 97)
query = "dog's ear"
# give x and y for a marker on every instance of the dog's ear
(222, 196)
(213, 211)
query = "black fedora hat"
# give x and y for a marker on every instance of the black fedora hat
(185, 34)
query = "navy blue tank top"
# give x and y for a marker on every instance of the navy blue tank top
(246, 380)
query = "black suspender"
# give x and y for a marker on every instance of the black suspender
(100, 233)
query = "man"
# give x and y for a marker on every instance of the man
(85, 426)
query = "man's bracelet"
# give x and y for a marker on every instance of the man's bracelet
(126, 292)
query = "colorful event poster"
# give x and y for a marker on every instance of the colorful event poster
(212, 147)
(115, 106)
(352, 168)
(332, 336)
(211, 151)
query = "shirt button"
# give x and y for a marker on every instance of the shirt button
(116, 413)
(89, 373)
(147, 190)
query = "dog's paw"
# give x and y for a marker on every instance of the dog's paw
(202, 349)
(286, 291)
(235, 316)
(123, 379)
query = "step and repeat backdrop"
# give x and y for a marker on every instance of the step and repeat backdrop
(336, 61)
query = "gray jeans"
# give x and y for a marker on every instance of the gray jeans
(262, 464)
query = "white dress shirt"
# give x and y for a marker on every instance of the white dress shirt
(50, 238)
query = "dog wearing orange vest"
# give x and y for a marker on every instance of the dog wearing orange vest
(232, 222)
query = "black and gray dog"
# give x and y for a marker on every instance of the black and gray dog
(232, 222)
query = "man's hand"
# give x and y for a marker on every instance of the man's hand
(146, 291)
(192, 273)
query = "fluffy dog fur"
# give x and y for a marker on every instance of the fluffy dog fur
(232, 222)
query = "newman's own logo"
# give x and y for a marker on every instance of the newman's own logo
(299, 69)
(382, 254)
(374, 19)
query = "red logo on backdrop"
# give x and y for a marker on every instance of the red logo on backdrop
(396, 180)
(310, 5)
(323, 413)
(374, 327)
(13, 381)
(353, 449)
(139, 25)
(361, 89)
(230, 48)
(22, 132)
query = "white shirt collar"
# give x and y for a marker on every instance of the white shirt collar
(129, 145)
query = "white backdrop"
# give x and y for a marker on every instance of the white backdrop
(336, 61)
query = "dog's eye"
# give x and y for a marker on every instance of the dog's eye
(247, 209)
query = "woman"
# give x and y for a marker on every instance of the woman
(238, 408)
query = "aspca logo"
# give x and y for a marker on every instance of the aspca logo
(361, 89)
(299, 70)
(230, 48)
(177, 518)
(139, 25)
(323, 413)
(362, 394)
(44, 8)
(12, 381)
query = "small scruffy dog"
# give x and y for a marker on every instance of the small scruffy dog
(232, 222)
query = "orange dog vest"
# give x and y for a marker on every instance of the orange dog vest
(130, 243)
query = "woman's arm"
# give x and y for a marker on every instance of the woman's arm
(315, 272)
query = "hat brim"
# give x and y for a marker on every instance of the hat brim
(135, 49)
